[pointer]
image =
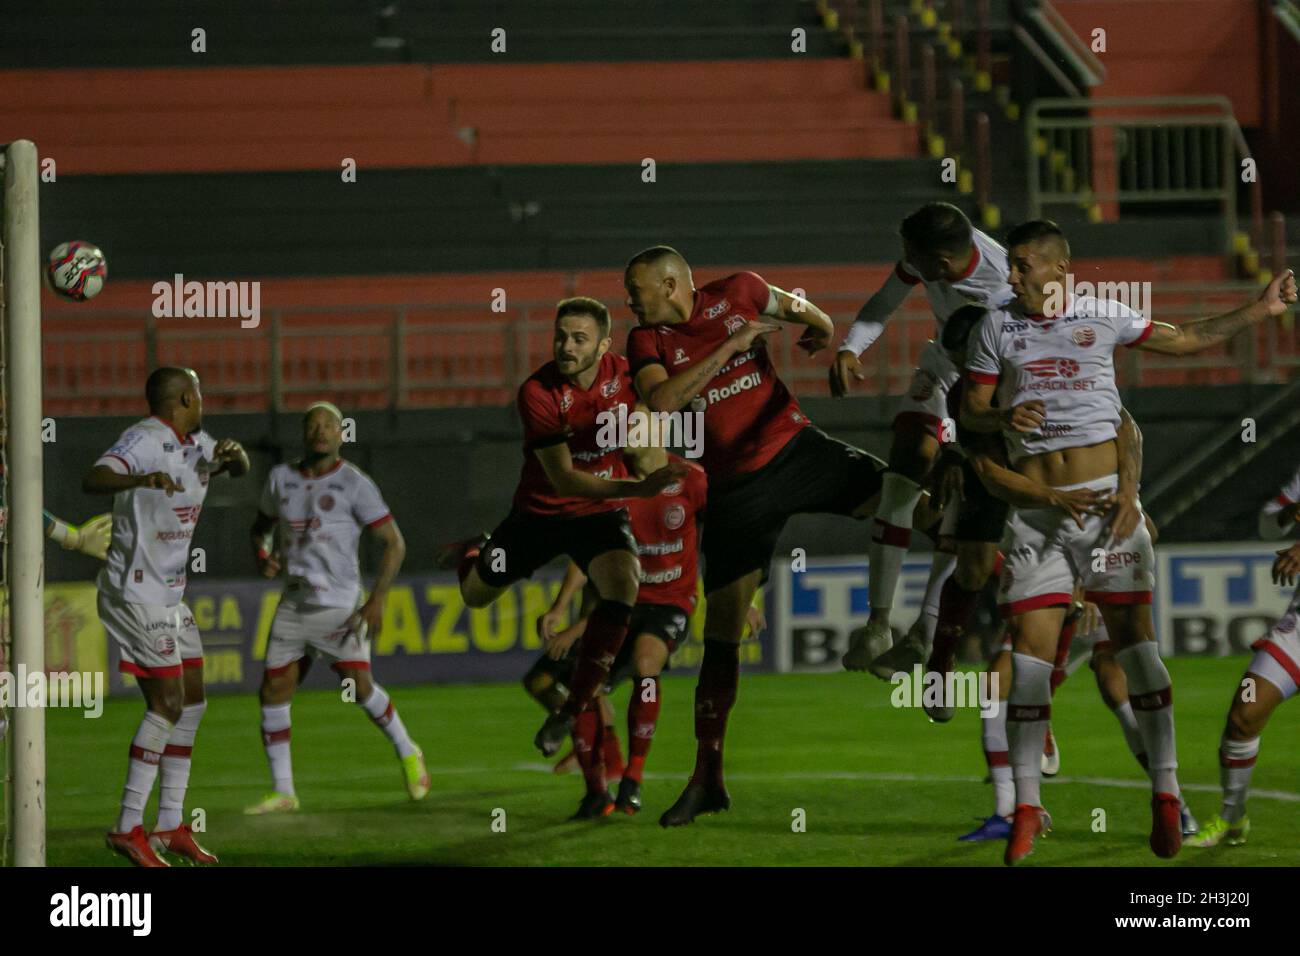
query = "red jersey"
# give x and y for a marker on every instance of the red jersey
(555, 410)
(667, 539)
(749, 414)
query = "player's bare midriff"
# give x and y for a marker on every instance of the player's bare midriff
(1071, 466)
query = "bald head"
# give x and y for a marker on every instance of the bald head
(659, 286)
(173, 395)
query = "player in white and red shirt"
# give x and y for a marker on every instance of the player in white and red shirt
(568, 498)
(158, 473)
(701, 349)
(1272, 677)
(320, 504)
(1059, 413)
(958, 266)
(666, 528)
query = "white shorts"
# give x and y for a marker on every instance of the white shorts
(323, 632)
(152, 640)
(1046, 553)
(925, 405)
(1277, 653)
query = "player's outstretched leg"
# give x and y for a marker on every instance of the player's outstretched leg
(374, 700)
(172, 834)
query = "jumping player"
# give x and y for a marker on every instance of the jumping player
(320, 504)
(567, 499)
(1271, 678)
(702, 349)
(957, 265)
(1066, 440)
(158, 473)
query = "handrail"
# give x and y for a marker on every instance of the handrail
(1066, 42)
(1288, 13)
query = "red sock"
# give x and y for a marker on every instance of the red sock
(1062, 653)
(587, 733)
(466, 563)
(611, 754)
(606, 629)
(715, 695)
(956, 605)
(642, 715)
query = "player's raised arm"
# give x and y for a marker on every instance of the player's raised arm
(868, 325)
(1201, 334)
(799, 311)
(232, 458)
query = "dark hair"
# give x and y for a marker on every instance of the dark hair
(166, 385)
(653, 256)
(584, 305)
(957, 330)
(1035, 230)
(937, 227)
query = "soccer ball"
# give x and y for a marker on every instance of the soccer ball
(76, 270)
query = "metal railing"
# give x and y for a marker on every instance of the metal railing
(420, 355)
(1162, 150)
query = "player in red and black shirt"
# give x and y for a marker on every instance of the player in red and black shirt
(666, 529)
(702, 350)
(567, 501)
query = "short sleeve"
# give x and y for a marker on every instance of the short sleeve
(543, 424)
(643, 348)
(984, 363)
(136, 453)
(1131, 327)
(270, 503)
(751, 289)
(368, 505)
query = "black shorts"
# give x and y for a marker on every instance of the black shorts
(524, 541)
(981, 516)
(664, 621)
(813, 473)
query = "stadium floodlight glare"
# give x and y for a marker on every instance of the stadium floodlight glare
(24, 564)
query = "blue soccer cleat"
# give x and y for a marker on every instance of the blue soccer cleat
(994, 828)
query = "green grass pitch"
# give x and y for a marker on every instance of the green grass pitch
(879, 786)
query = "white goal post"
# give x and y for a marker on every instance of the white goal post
(25, 554)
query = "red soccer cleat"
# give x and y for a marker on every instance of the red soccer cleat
(1029, 822)
(181, 842)
(135, 847)
(1166, 825)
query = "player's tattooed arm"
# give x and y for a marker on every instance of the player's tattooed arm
(1022, 492)
(670, 393)
(568, 481)
(979, 414)
(1127, 514)
(372, 612)
(798, 310)
(102, 480)
(1201, 334)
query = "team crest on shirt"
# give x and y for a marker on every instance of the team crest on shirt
(566, 400)
(188, 514)
(165, 645)
(674, 517)
(735, 324)
(1085, 336)
(326, 502)
(674, 489)
(1019, 345)
(713, 311)
(1047, 367)
(610, 388)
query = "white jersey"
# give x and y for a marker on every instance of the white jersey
(150, 551)
(321, 518)
(1289, 495)
(1068, 363)
(984, 283)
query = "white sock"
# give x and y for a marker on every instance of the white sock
(275, 737)
(1029, 714)
(993, 732)
(175, 767)
(142, 769)
(1236, 763)
(1123, 712)
(940, 571)
(1151, 696)
(384, 714)
(891, 533)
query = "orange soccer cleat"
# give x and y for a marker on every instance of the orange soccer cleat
(181, 842)
(1166, 825)
(134, 845)
(1029, 822)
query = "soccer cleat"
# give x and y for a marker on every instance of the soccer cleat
(1051, 761)
(416, 775)
(1166, 826)
(1186, 820)
(272, 803)
(448, 557)
(181, 842)
(135, 847)
(942, 713)
(566, 764)
(866, 643)
(552, 733)
(629, 797)
(594, 806)
(695, 801)
(902, 657)
(1028, 823)
(1219, 830)
(994, 828)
